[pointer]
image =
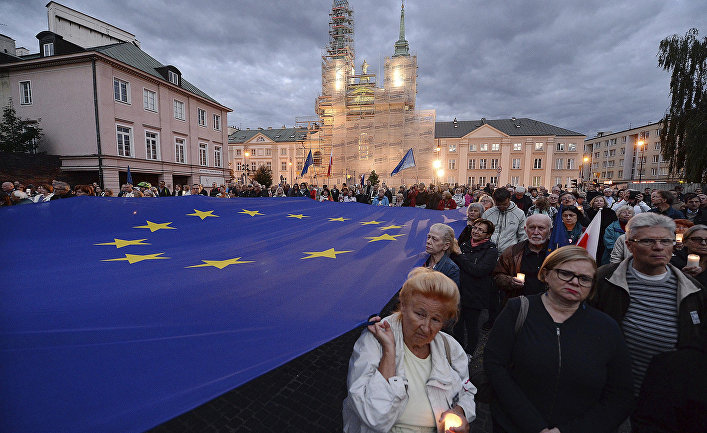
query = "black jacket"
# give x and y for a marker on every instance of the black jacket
(575, 375)
(475, 267)
(611, 295)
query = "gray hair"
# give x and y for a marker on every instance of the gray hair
(649, 219)
(540, 216)
(623, 208)
(689, 232)
(447, 236)
(478, 206)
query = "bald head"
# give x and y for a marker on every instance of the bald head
(8, 187)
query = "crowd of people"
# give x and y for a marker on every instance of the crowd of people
(578, 342)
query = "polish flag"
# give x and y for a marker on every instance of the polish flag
(331, 157)
(590, 238)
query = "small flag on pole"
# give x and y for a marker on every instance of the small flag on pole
(558, 237)
(362, 177)
(590, 239)
(309, 161)
(331, 158)
(129, 177)
(407, 162)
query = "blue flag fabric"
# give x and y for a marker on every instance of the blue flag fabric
(129, 178)
(407, 162)
(363, 176)
(558, 237)
(309, 161)
(140, 310)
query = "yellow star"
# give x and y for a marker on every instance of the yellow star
(391, 227)
(251, 212)
(156, 226)
(298, 216)
(365, 223)
(383, 237)
(330, 253)
(339, 219)
(221, 263)
(134, 258)
(203, 214)
(120, 243)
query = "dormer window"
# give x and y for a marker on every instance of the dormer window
(173, 77)
(48, 49)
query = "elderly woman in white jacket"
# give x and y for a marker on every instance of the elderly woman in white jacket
(404, 374)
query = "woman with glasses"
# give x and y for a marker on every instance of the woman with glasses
(487, 201)
(564, 366)
(694, 241)
(476, 263)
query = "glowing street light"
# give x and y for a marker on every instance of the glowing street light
(437, 164)
(640, 170)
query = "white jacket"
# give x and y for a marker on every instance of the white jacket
(375, 404)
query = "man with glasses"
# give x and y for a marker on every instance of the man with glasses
(657, 306)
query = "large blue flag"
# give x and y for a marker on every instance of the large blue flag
(118, 314)
(407, 162)
(558, 236)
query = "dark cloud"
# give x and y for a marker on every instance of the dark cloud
(586, 65)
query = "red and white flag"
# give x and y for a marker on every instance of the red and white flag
(590, 238)
(331, 157)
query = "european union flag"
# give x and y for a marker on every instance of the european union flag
(407, 162)
(309, 161)
(558, 237)
(130, 311)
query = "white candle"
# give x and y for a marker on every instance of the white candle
(451, 420)
(693, 260)
(521, 277)
(678, 237)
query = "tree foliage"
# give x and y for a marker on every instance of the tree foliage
(373, 177)
(17, 134)
(684, 131)
(263, 175)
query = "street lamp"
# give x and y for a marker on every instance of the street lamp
(640, 170)
(246, 169)
(440, 175)
(437, 165)
(292, 176)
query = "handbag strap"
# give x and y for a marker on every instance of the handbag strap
(522, 314)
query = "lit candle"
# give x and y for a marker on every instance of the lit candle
(678, 237)
(579, 207)
(693, 260)
(521, 277)
(451, 420)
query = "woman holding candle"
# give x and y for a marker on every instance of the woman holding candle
(566, 368)
(404, 374)
(692, 259)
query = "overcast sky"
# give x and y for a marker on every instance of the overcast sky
(585, 65)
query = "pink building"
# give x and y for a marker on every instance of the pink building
(108, 107)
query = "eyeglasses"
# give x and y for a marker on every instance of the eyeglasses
(650, 242)
(567, 276)
(478, 229)
(695, 239)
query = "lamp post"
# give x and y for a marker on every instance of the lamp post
(588, 169)
(641, 144)
(246, 169)
(292, 176)
(437, 165)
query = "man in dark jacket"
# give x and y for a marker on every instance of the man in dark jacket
(521, 200)
(692, 209)
(163, 191)
(663, 204)
(657, 306)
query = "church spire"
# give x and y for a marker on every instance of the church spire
(401, 46)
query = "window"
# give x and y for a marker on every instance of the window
(121, 90)
(25, 93)
(283, 151)
(655, 158)
(452, 163)
(482, 164)
(259, 152)
(603, 164)
(149, 99)
(484, 147)
(494, 163)
(597, 145)
(452, 147)
(238, 152)
(538, 146)
(572, 147)
(269, 165)
(472, 148)
(495, 147)
(48, 49)
(283, 165)
(609, 174)
(515, 180)
(623, 139)
(537, 180)
(203, 154)
(472, 164)
(178, 110)
(493, 180)
(217, 122)
(516, 163)
(151, 145)
(621, 162)
(482, 180)
(517, 146)
(622, 151)
(173, 77)
(612, 152)
(124, 136)
(179, 146)
(646, 134)
(654, 171)
(560, 147)
(538, 163)
(268, 152)
(657, 145)
(558, 180)
(558, 163)
(239, 167)
(252, 165)
(597, 154)
(470, 180)
(201, 114)
(606, 153)
(217, 156)
(570, 163)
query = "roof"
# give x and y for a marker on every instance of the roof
(513, 127)
(129, 54)
(277, 135)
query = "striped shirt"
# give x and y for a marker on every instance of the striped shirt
(650, 325)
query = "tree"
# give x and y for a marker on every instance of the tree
(373, 177)
(684, 132)
(263, 175)
(17, 134)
